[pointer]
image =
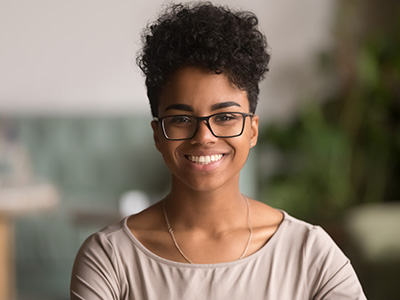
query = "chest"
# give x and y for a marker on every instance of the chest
(258, 279)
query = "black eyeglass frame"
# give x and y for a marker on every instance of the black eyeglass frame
(206, 119)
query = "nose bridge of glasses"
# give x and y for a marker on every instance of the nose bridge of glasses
(202, 122)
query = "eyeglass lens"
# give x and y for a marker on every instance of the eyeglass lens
(221, 125)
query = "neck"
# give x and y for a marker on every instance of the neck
(171, 231)
(217, 210)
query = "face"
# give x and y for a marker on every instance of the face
(204, 162)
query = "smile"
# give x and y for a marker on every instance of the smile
(205, 160)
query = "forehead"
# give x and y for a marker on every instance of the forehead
(201, 89)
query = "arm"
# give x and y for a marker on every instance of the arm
(95, 273)
(330, 274)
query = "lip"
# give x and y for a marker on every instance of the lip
(205, 161)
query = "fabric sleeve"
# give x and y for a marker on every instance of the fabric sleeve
(330, 273)
(95, 272)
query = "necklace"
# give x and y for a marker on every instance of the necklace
(171, 232)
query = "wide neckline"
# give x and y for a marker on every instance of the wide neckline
(151, 255)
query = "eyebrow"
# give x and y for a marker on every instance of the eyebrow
(224, 105)
(216, 106)
(179, 107)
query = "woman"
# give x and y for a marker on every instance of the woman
(205, 240)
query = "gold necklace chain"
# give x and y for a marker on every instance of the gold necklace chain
(249, 223)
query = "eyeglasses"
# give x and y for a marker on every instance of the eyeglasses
(221, 125)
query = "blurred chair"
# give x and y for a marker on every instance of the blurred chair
(374, 232)
(18, 200)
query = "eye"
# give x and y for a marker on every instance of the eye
(226, 117)
(179, 120)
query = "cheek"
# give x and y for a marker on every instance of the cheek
(167, 150)
(242, 146)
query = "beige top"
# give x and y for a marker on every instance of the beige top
(300, 261)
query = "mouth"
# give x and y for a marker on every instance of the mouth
(204, 160)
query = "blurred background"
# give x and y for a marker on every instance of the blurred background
(76, 150)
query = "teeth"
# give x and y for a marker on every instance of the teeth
(205, 160)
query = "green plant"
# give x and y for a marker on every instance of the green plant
(344, 150)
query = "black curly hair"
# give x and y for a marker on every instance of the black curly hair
(202, 34)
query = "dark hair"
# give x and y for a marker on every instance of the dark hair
(204, 35)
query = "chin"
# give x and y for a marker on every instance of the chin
(206, 184)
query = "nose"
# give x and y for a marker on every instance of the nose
(203, 134)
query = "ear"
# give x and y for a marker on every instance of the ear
(254, 131)
(155, 127)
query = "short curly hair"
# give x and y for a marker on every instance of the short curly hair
(204, 35)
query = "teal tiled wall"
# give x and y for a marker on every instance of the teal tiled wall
(92, 161)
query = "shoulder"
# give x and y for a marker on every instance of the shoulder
(107, 247)
(148, 219)
(328, 271)
(97, 264)
(101, 249)
(297, 238)
(313, 239)
(264, 214)
(106, 238)
(268, 221)
(148, 224)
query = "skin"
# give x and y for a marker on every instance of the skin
(205, 207)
